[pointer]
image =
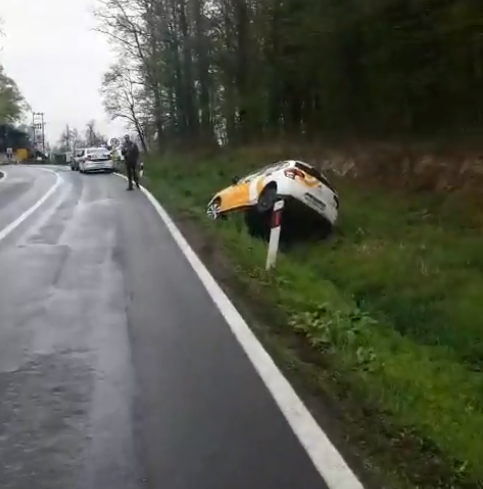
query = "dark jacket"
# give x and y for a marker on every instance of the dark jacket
(130, 151)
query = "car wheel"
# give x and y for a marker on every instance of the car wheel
(213, 210)
(267, 199)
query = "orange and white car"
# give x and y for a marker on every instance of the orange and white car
(288, 180)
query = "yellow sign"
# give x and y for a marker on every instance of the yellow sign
(21, 154)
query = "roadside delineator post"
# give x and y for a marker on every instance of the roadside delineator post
(275, 228)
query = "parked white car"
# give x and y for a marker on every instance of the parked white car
(96, 160)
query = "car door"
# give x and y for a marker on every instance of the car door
(235, 197)
(78, 158)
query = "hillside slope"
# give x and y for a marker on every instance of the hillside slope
(384, 320)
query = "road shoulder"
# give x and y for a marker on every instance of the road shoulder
(318, 390)
(387, 446)
(341, 464)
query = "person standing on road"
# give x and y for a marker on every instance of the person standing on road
(130, 151)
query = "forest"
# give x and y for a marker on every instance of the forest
(11, 101)
(247, 70)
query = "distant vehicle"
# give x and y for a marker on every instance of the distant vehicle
(74, 162)
(95, 160)
(310, 199)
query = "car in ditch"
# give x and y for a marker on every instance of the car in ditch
(96, 160)
(311, 202)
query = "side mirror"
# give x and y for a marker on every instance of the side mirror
(235, 180)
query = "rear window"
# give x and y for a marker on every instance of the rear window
(310, 170)
(98, 152)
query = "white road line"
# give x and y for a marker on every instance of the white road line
(325, 457)
(13, 225)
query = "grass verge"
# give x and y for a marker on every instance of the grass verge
(384, 320)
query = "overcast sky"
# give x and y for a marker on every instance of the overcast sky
(57, 60)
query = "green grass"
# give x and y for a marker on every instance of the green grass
(392, 304)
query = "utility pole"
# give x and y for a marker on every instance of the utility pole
(43, 132)
(33, 129)
(38, 124)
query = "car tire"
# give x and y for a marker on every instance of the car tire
(267, 198)
(213, 210)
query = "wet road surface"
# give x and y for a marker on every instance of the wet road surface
(116, 369)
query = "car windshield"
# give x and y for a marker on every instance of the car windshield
(97, 152)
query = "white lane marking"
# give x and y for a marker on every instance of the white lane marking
(5, 175)
(13, 225)
(325, 457)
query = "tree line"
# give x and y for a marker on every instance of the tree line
(12, 103)
(72, 139)
(243, 70)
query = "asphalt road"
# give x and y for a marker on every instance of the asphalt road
(116, 369)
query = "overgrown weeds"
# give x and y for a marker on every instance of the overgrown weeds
(393, 302)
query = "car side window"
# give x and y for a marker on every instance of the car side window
(279, 166)
(267, 170)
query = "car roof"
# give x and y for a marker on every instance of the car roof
(279, 165)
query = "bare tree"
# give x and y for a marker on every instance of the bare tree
(137, 30)
(70, 139)
(65, 140)
(76, 140)
(122, 95)
(93, 137)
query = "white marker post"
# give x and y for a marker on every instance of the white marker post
(275, 229)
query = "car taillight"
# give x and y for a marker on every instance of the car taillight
(293, 173)
(88, 157)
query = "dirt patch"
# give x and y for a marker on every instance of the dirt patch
(439, 166)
